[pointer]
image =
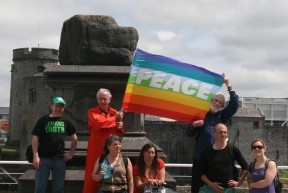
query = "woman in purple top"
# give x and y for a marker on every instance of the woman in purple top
(260, 178)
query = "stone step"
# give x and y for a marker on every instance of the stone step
(73, 181)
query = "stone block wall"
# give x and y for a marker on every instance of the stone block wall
(178, 147)
(171, 137)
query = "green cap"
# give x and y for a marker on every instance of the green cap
(59, 100)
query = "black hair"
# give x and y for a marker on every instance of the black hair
(109, 141)
(141, 162)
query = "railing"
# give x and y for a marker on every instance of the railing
(15, 181)
(12, 176)
(15, 162)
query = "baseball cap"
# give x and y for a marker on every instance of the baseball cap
(58, 100)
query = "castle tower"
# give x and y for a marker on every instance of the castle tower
(27, 69)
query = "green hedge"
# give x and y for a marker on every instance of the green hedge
(283, 173)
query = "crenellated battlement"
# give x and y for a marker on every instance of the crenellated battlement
(35, 53)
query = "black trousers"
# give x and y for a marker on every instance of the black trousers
(196, 181)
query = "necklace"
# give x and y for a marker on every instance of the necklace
(113, 160)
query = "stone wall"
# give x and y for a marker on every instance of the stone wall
(35, 53)
(172, 138)
(178, 147)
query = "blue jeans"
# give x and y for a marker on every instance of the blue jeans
(58, 169)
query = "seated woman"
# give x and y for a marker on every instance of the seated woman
(113, 172)
(149, 169)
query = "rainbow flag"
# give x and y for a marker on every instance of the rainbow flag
(164, 87)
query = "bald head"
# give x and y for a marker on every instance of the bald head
(220, 126)
(220, 133)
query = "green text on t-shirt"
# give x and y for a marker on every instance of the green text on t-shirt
(55, 127)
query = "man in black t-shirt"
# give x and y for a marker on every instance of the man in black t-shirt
(202, 130)
(217, 164)
(49, 147)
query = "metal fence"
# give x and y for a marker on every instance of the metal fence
(13, 177)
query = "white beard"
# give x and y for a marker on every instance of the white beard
(214, 110)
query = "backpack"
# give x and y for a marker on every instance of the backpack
(277, 183)
(29, 154)
(29, 150)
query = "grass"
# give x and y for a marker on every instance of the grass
(8, 150)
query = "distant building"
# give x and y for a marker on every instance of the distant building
(4, 125)
(4, 113)
(274, 109)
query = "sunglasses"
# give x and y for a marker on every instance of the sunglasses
(257, 147)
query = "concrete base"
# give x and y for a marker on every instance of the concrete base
(74, 181)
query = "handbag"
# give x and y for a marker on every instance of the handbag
(29, 154)
(159, 189)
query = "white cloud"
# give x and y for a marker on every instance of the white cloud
(248, 39)
(165, 35)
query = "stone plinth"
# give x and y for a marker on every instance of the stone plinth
(132, 144)
(74, 181)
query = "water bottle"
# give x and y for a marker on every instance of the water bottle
(105, 166)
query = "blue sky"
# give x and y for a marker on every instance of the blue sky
(247, 40)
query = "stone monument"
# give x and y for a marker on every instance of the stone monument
(94, 53)
(96, 40)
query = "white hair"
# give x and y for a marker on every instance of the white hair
(104, 90)
(220, 95)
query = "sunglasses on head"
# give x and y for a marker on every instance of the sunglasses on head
(257, 147)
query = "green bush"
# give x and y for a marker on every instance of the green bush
(283, 173)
